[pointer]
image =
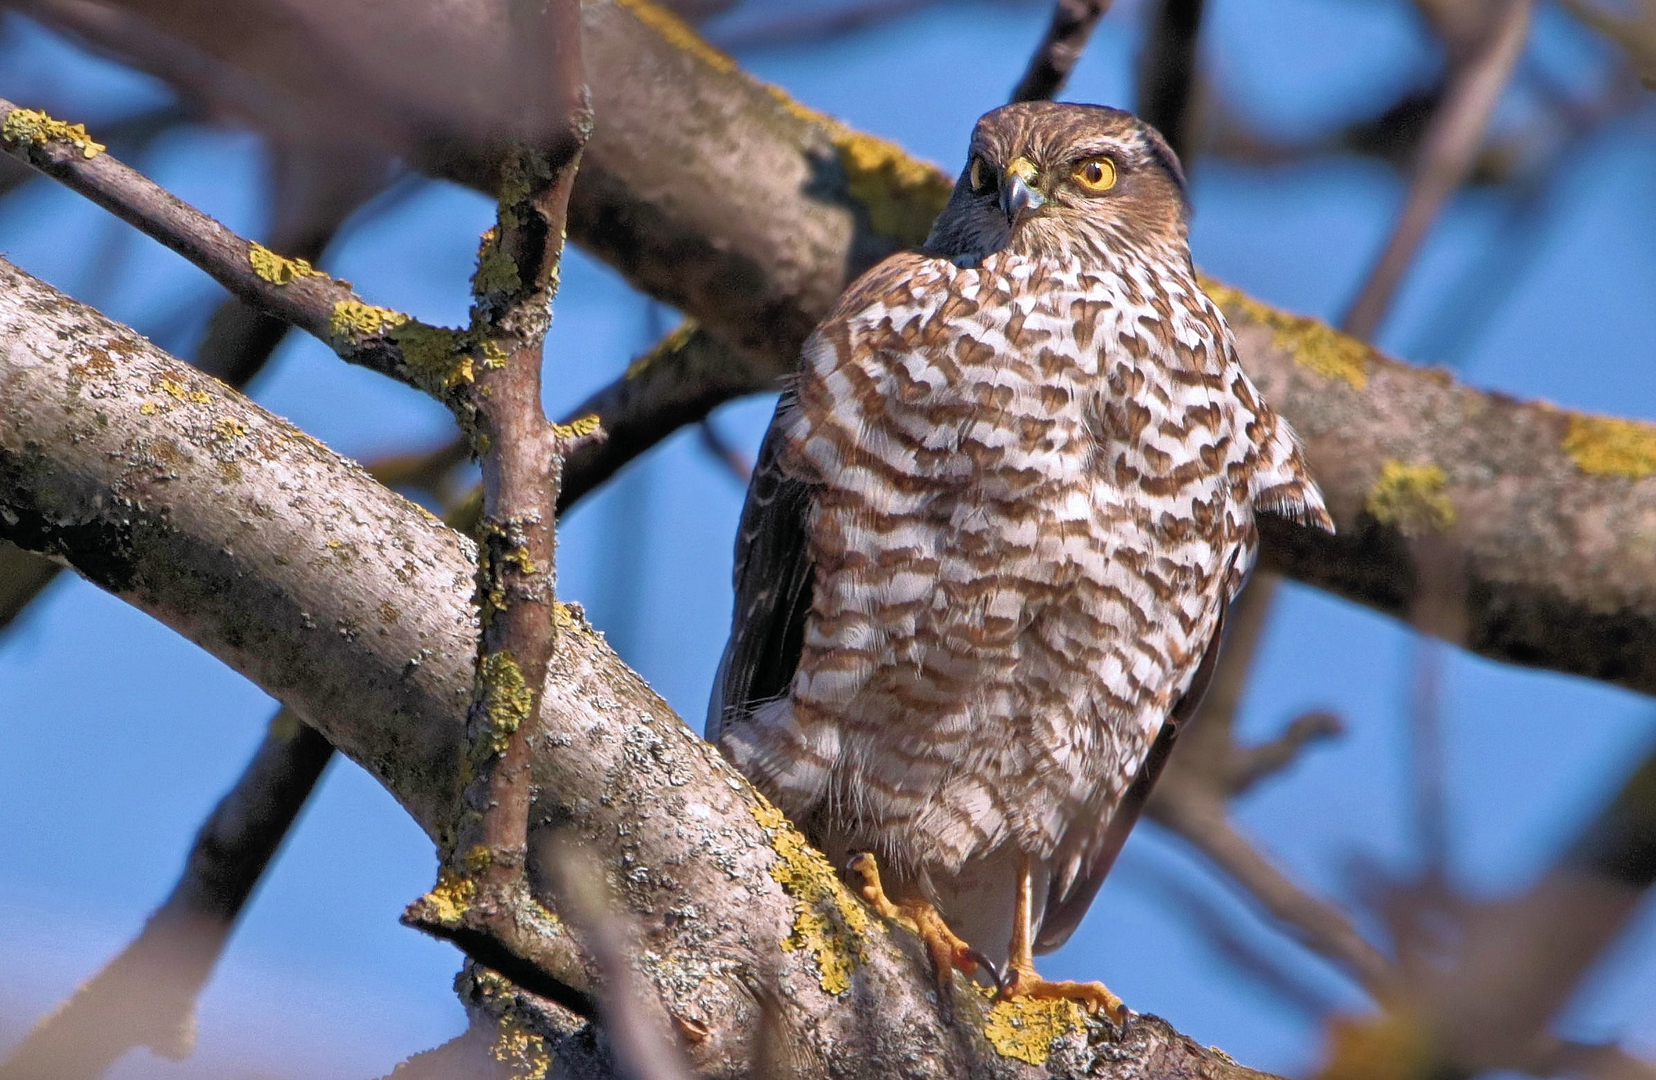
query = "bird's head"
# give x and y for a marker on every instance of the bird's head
(1051, 179)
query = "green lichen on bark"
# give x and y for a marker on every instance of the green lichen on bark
(1606, 446)
(278, 269)
(1412, 498)
(504, 703)
(35, 128)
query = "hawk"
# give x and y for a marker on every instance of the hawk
(990, 540)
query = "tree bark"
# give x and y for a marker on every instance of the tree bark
(353, 606)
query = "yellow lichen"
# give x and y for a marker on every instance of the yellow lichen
(277, 269)
(1412, 498)
(1606, 446)
(285, 725)
(440, 358)
(228, 428)
(34, 126)
(180, 392)
(667, 347)
(1026, 1028)
(496, 272)
(353, 320)
(579, 428)
(524, 1053)
(677, 33)
(1377, 1048)
(450, 898)
(901, 193)
(506, 701)
(828, 920)
(478, 859)
(1312, 343)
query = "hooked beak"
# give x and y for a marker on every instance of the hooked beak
(1019, 200)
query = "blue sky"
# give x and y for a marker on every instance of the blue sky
(119, 736)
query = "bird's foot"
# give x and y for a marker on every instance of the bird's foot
(948, 951)
(1095, 996)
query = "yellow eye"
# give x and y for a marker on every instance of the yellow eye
(1095, 174)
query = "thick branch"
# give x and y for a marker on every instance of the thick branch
(351, 605)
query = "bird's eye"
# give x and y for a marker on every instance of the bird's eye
(1095, 174)
(982, 176)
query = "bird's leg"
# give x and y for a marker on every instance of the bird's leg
(947, 951)
(1021, 980)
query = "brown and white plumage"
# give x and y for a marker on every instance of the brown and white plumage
(994, 527)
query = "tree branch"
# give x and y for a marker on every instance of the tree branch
(1168, 73)
(1445, 159)
(1066, 38)
(299, 571)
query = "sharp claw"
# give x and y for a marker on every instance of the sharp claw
(995, 973)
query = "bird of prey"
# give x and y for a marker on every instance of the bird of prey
(990, 539)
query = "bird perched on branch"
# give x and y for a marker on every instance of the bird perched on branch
(990, 540)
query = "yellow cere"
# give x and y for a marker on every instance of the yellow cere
(34, 126)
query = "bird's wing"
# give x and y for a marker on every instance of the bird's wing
(1066, 907)
(773, 586)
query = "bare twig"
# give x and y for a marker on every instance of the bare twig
(637, 1026)
(1168, 73)
(146, 995)
(1445, 159)
(1634, 32)
(1066, 37)
(721, 450)
(1209, 769)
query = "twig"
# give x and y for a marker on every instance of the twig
(1066, 37)
(680, 381)
(721, 450)
(146, 995)
(438, 361)
(1209, 769)
(1445, 159)
(1167, 75)
(316, 189)
(633, 1019)
(522, 458)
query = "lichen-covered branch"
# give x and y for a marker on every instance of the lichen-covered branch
(522, 458)
(353, 607)
(290, 289)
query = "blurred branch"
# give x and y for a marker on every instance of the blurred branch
(1636, 33)
(814, 27)
(1168, 73)
(1209, 769)
(1480, 982)
(634, 1021)
(1055, 57)
(1446, 156)
(722, 451)
(146, 995)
